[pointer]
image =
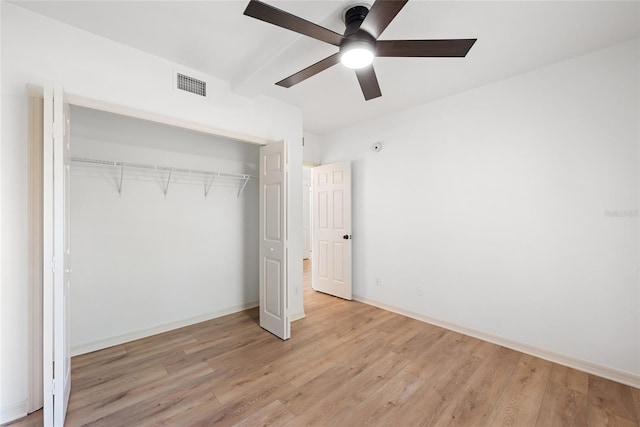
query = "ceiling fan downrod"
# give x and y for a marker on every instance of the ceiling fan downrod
(353, 18)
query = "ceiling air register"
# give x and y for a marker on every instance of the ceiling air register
(191, 84)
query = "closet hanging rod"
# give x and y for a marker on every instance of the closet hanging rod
(159, 168)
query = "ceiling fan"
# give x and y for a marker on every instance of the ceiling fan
(359, 44)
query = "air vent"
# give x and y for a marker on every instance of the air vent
(189, 84)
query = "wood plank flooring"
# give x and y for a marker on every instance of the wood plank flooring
(348, 364)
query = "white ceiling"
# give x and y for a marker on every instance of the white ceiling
(214, 37)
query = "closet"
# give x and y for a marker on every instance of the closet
(164, 227)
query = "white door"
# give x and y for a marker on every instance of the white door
(331, 266)
(273, 240)
(306, 213)
(56, 252)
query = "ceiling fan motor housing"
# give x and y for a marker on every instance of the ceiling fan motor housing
(353, 36)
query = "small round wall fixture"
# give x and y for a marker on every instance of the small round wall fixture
(376, 147)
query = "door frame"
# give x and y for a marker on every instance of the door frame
(35, 153)
(309, 206)
(35, 392)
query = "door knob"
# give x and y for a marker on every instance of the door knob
(346, 236)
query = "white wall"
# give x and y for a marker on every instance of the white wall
(143, 262)
(15, 403)
(491, 210)
(311, 149)
(36, 49)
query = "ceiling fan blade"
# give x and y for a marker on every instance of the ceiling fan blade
(310, 71)
(264, 12)
(368, 82)
(380, 15)
(424, 48)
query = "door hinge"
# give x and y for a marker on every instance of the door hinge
(53, 264)
(53, 386)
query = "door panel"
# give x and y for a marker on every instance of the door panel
(338, 210)
(322, 211)
(331, 250)
(273, 212)
(272, 286)
(273, 254)
(321, 260)
(338, 264)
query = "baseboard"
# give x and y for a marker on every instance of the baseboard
(13, 411)
(613, 374)
(131, 336)
(296, 316)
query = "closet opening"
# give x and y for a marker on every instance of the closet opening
(164, 228)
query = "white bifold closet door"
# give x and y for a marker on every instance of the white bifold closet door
(274, 316)
(57, 261)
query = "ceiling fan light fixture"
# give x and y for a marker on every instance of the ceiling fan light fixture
(357, 58)
(356, 55)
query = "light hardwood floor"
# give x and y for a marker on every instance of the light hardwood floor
(348, 364)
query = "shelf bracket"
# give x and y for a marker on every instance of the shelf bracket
(207, 186)
(120, 183)
(244, 184)
(166, 188)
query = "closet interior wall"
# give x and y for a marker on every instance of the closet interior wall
(145, 262)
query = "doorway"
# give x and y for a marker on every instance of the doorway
(330, 228)
(307, 230)
(307, 212)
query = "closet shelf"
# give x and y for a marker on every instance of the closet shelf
(208, 177)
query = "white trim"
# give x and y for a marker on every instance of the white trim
(296, 316)
(2, 409)
(159, 118)
(131, 336)
(47, 254)
(35, 254)
(13, 411)
(613, 374)
(96, 104)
